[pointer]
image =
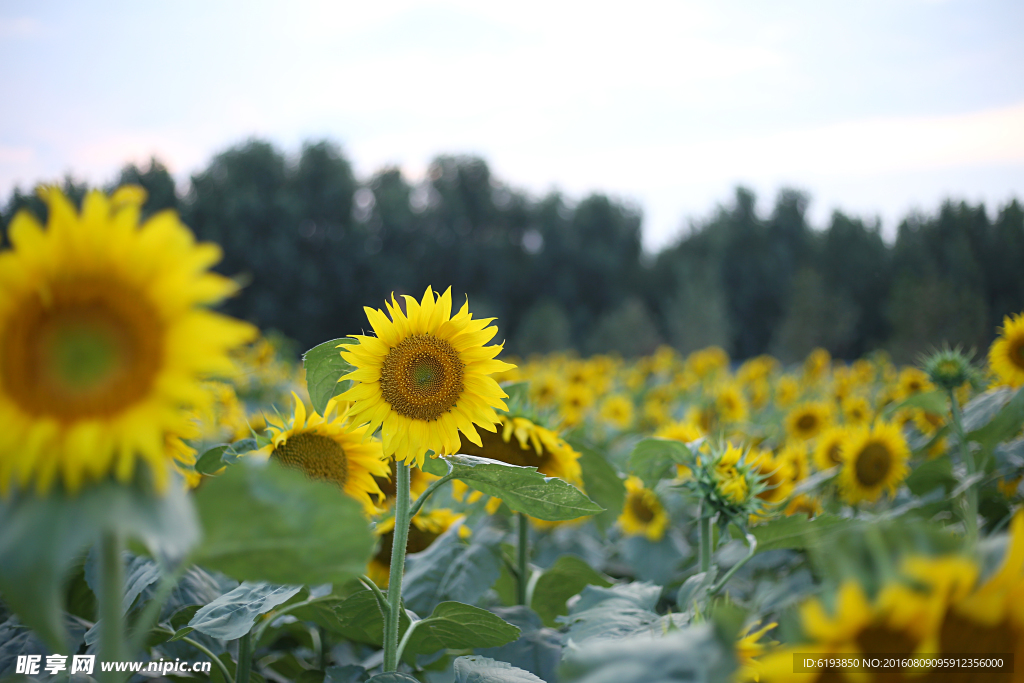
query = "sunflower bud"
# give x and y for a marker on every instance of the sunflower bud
(948, 368)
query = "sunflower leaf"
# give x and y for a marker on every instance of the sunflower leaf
(477, 669)
(324, 367)
(233, 614)
(653, 458)
(928, 401)
(994, 416)
(523, 489)
(265, 522)
(567, 577)
(602, 483)
(456, 625)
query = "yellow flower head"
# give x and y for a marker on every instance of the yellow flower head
(617, 410)
(828, 448)
(808, 419)
(426, 527)
(874, 460)
(105, 338)
(775, 473)
(857, 410)
(643, 514)
(1006, 356)
(332, 449)
(425, 377)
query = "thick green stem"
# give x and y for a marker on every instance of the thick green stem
(244, 659)
(401, 537)
(111, 596)
(970, 502)
(704, 532)
(430, 489)
(523, 568)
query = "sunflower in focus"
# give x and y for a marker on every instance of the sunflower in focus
(330, 448)
(520, 441)
(425, 377)
(1006, 356)
(874, 460)
(105, 338)
(426, 527)
(808, 419)
(643, 514)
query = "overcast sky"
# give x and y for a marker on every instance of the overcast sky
(876, 108)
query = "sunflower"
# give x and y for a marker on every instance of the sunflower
(913, 381)
(576, 400)
(828, 449)
(546, 389)
(874, 460)
(104, 340)
(1006, 356)
(803, 504)
(807, 420)
(331, 448)
(794, 455)
(775, 473)
(642, 514)
(533, 446)
(730, 404)
(425, 377)
(426, 527)
(617, 410)
(749, 647)
(787, 390)
(856, 410)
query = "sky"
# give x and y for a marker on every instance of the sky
(876, 108)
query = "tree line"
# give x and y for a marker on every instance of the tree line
(313, 244)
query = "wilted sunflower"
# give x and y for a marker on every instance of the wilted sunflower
(424, 530)
(874, 460)
(1006, 356)
(425, 376)
(104, 340)
(807, 420)
(333, 449)
(642, 514)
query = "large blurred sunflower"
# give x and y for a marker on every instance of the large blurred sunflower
(331, 448)
(874, 460)
(1006, 357)
(104, 340)
(425, 376)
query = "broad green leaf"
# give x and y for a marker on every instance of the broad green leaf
(350, 673)
(324, 367)
(929, 401)
(694, 590)
(618, 611)
(994, 416)
(602, 483)
(524, 489)
(538, 648)
(694, 654)
(393, 677)
(361, 621)
(210, 461)
(40, 539)
(932, 474)
(452, 569)
(265, 522)
(567, 577)
(795, 531)
(477, 669)
(222, 455)
(653, 458)
(233, 614)
(456, 625)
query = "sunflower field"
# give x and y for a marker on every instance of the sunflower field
(182, 498)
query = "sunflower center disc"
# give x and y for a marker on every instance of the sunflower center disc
(806, 423)
(91, 352)
(320, 457)
(1017, 356)
(834, 454)
(638, 505)
(422, 377)
(873, 464)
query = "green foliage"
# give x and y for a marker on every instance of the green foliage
(459, 626)
(324, 367)
(523, 489)
(42, 537)
(567, 577)
(232, 615)
(265, 522)
(994, 416)
(601, 482)
(451, 569)
(796, 531)
(653, 458)
(538, 648)
(476, 669)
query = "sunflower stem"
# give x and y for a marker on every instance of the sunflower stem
(524, 555)
(401, 537)
(430, 489)
(970, 502)
(704, 534)
(111, 596)
(244, 659)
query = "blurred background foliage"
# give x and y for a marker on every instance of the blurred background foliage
(313, 244)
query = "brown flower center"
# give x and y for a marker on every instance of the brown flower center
(422, 377)
(873, 464)
(90, 351)
(320, 457)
